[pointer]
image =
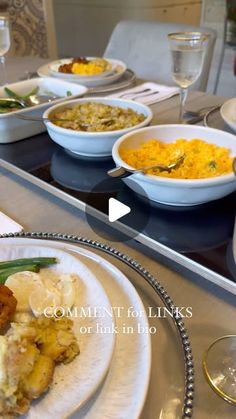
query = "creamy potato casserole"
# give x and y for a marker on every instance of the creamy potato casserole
(96, 117)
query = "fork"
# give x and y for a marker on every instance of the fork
(200, 111)
(141, 93)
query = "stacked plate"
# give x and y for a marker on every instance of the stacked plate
(116, 69)
(222, 117)
(111, 373)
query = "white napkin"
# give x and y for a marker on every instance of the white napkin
(154, 93)
(7, 225)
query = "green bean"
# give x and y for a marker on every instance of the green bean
(15, 95)
(5, 273)
(40, 261)
(10, 93)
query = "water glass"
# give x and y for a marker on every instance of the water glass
(4, 46)
(187, 52)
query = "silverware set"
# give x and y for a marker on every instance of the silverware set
(141, 93)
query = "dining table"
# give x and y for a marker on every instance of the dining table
(31, 197)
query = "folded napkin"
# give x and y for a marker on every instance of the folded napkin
(7, 225)
(147, 93)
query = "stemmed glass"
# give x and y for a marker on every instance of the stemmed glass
(219, 362)
(4, 46)
(219, 365)
(187, 53)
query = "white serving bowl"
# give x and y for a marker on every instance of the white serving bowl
(14, 129)
(228, 113)
(179, 192)
(92, 144)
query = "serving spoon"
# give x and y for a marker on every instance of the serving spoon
(30, 101)
(123, 172)
(44, 119)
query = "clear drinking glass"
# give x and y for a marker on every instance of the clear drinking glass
(4, 46)
(219, 365)
(187, 53)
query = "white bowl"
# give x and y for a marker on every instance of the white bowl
(228, 113)
(179, 192)
(15, 129)
(92, 144)
(234, 242)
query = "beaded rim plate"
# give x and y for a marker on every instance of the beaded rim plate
(69, 391)
(188, 396)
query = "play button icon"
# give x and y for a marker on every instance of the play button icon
(116, 210)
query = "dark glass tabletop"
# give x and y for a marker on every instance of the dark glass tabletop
(202, 233)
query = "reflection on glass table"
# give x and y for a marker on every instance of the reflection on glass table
(202, 233)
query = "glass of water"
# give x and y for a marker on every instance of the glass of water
(219, 366)
(4, 46)
(187, 53)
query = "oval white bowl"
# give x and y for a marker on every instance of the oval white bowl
(179, 192)
(93, 144)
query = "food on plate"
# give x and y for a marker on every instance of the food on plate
(84, 67)
(48, 289)
(202, 159)
(7, 306)
(11, 267)
(28, 355)
(41, 261)
(36, 340)
(97, 117)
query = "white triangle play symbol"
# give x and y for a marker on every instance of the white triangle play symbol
(116, 210)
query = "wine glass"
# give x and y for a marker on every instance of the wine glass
(187, 53)
(219, 366)
(4, 46)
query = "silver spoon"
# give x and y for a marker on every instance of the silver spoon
(123, 172)
(43, 119)
(30, 101)
(9, 100)
(40, 99)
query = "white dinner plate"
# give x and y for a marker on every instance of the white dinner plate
(119, 70)
(74, 383)
(228, 113)
(54, 69)
(124, 390)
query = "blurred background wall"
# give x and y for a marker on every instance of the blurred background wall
(32, 27)
(66, 28)
(83, 27)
